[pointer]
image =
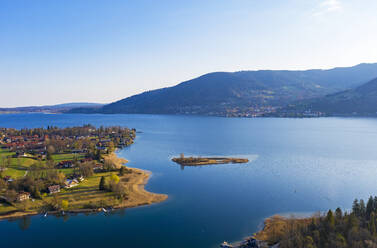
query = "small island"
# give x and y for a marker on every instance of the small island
(68, 170)
(198, 161)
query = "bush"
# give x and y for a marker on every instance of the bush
(64, 204)
(114, 178)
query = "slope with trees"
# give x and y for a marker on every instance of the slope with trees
(337, 229)
(359, 101)
(240, 93)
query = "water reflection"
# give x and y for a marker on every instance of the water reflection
(24, 223)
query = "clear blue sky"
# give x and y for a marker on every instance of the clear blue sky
(56, 51)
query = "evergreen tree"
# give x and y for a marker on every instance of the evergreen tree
(121, 171)
(37, 194)
(102, 183)
(338, 214)
(97, 155)
(363, 209)
(330, 220)
(370, 207)
(372, 225)
(356, 207)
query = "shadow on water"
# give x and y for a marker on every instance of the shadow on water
(24, 223)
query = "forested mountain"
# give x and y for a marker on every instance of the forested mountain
(359, 101)
(224, 93)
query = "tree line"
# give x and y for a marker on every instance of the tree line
(336, 229)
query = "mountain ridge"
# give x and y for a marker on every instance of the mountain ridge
(361, 100)
(241, 93)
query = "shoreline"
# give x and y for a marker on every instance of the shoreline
(138, 195)
(260, 238)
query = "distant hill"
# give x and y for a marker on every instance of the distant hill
(59, 108)
(359, 101)
(225, 93)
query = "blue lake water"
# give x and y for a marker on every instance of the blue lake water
(297, 166)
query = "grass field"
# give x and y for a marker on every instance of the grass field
(14, 173)
(67, 156)
(4, 153)
(85, 195)
(18, 166)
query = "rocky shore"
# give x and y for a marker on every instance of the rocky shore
(248, 243)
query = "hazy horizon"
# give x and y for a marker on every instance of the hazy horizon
(91, 51)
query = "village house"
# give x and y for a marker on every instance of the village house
(19, 154)
(54, 189)
(69, 183)
(22, 196)
(65, 164)
(101, 148)
(98, 168)
(8, 179)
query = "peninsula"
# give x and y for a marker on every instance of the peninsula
(60, 170)
(354, 228)
(198, 161)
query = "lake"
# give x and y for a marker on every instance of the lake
(296, 166)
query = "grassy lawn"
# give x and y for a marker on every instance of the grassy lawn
(68, 171)
(67, 156)
(5, 153)
(22, 163)
(85, 195)
(19, 166)
(14, 173)
(4, 208)
(87, 192)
